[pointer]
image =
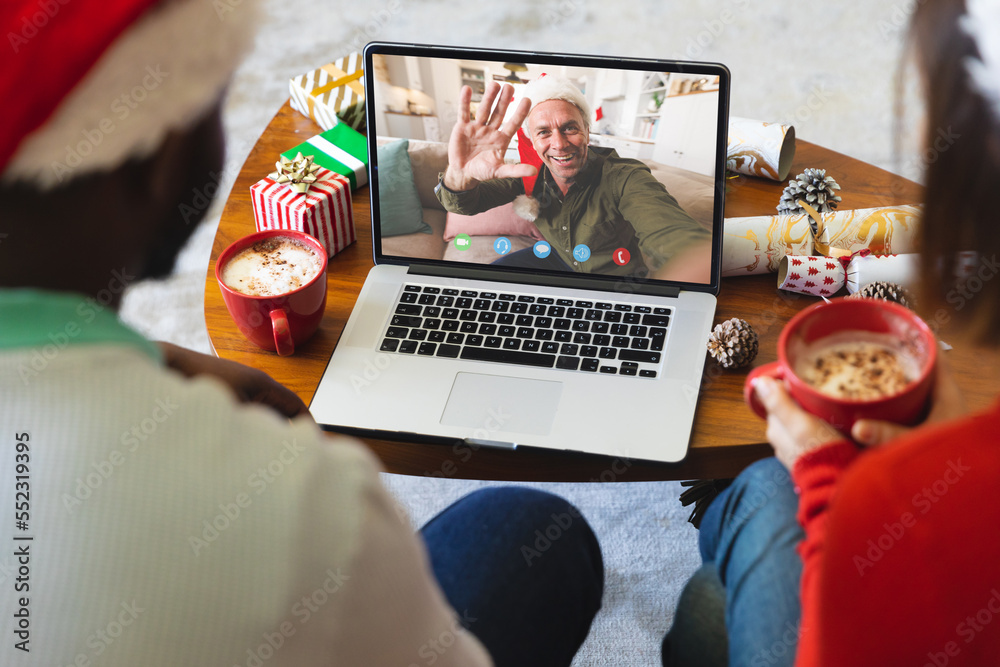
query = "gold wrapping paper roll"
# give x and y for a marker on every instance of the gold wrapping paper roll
(756, 148)
(756, 244)
(888, 230)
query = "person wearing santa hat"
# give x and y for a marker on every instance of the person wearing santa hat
(174, 508)
(576, 194)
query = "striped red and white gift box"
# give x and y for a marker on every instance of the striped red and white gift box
(325, 212)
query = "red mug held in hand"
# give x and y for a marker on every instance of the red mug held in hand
(293, 306)
(847, 319)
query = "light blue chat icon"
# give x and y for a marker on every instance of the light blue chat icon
(542, 249)
(581, 253)
(502, 245)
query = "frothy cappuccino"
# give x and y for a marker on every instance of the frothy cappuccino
(859, 370)
(271, 267)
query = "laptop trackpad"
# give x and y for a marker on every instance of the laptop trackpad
(492, 403)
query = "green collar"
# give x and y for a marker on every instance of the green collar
(42, 319)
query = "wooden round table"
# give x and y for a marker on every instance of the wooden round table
(726, 435)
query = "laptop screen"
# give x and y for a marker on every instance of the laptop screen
(541, 164)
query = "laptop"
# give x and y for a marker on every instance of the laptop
(583, 330)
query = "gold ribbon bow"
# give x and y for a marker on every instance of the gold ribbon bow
(819, 232)
(299, 173)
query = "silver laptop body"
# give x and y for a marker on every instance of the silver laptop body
(382, 383)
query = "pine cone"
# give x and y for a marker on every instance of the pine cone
(813, 187)
(733, 343)
(886, 291)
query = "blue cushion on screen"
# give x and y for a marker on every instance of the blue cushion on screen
(399, 204)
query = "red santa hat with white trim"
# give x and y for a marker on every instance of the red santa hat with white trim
(542, 89)
(92, 85)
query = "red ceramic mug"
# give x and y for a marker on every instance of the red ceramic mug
(842, 316)
(276, 323)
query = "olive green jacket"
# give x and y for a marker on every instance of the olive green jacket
(614, 203)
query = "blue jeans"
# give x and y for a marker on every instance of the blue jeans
(526, 566)
(742, 607)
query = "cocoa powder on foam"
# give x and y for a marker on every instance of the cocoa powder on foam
(271, 267)
(856, 370)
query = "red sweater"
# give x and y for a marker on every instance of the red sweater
(902, 549)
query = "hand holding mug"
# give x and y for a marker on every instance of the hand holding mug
(947, 402)
(853, 359)
(791, 430)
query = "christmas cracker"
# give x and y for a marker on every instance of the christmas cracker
(825, 276)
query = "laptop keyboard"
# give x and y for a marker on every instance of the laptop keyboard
(611, 337)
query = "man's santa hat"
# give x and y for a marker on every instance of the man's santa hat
(92, 85)
(542, 89)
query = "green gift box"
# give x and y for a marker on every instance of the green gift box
(340, 149)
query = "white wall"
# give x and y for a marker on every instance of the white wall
(686, 136)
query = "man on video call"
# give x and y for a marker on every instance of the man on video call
(583, 196)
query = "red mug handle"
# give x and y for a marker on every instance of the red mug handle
(283, 342)
(774, 370)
